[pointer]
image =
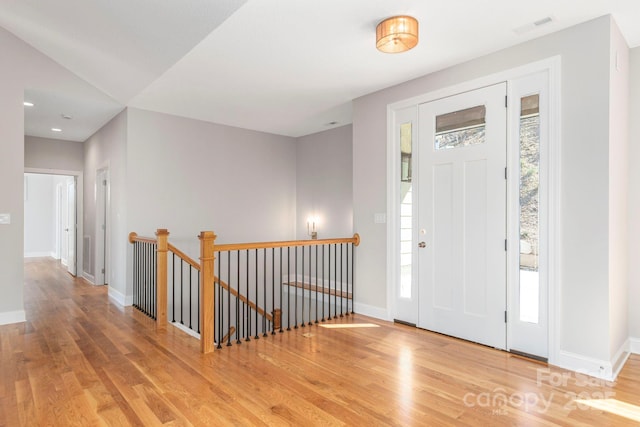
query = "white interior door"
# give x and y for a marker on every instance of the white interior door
(71, 226)
(462, 216)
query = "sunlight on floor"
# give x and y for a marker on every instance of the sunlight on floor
(350, 325)
(614, 406)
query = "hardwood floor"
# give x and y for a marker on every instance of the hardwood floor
(81, 361)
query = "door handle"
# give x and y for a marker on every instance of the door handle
(422, 245)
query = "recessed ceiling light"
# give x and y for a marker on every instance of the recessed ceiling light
(56, 130)
(28, 104)
(66, 116)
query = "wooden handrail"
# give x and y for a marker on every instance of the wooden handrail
(133, 237)
(186, 258)
(244, 299)
(266, 245)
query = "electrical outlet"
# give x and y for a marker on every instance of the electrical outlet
(5, 218)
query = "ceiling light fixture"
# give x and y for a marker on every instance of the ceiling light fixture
(397, 34)
(56, 130)
(28, 104)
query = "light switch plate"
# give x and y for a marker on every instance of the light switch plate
(5, 218)
(380, 218)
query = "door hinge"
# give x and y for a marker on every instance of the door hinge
(505, 316)
(505, 244)
(505, 173)
(104, 182)
(506, 101)
(102, 271)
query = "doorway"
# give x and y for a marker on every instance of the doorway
(470, 238)
(462, 216)
(51, 226)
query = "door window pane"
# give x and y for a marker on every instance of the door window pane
(529, 206)
(461, 128)
(406, 210)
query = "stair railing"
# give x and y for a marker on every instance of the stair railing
(256, 286)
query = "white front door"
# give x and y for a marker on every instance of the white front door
(462, 216)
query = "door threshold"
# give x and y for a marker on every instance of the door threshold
(402, 322)
(529, 356)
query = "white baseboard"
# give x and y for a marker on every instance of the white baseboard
(39, 254)
(10, 317)
(89, 277)
(371, 311)
(634, 345)
(620, 358)
(586, 365)
(119, 298)
(186, 330)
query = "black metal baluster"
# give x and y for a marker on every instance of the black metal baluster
(347, 277)
(264, 292)
(173, 287)
(302, 285)
(289, 288)
(353, 282)
(255, 266)
(247, 325)
(181, 291)
(220, 298)
(280, 280)
(198, 305)
(309, 317)
(146, 278)
(335, 281)
(273, 291)
(317, 279)
(190, 298)
(228, 299)
(237, 299)
(295, 302)
(341, 267)
(324, 293)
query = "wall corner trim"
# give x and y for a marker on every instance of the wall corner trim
(119, 298)
(606, 370)
(9, 317)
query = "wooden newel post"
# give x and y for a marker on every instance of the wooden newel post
(207, 291)
(162, 236)
(277, 319)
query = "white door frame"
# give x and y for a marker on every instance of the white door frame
(553, 67)
(79, 204)
(102, 243)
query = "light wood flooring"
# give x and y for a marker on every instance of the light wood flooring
(80, 360)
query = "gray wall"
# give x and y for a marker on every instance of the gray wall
(188, 176)
(584, 223)
(45, 153)
(324, 183)
(634, 194)
(107, 148)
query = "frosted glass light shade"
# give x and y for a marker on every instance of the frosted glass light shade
(397, 34)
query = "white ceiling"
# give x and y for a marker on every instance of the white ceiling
(282, 66)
